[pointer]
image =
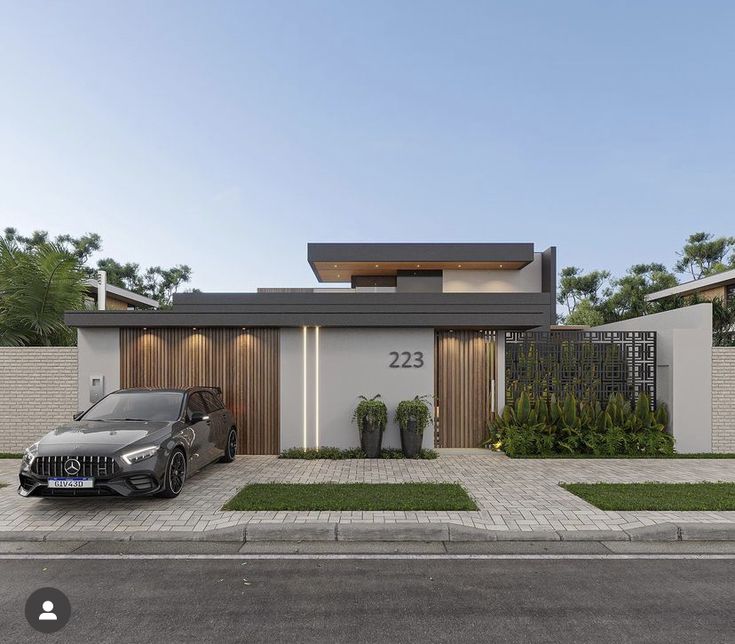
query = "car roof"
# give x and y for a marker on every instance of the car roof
(177, 390)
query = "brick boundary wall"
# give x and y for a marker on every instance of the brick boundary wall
(38, 390)
(723, 399)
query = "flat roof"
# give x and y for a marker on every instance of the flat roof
(439, 310)
(338, 262)
(720, 279)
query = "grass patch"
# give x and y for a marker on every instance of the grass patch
(656, 496)
(351, 496)
(10, 455)
(338, 454)
(675, 455)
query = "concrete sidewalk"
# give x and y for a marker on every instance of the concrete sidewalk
(517, 500)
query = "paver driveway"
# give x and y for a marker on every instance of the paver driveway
(511, 495)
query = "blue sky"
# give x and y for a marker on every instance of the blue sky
(228, 135)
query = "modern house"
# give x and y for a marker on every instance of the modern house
(468, 324)
(721, 285)
(114, 298)
(398, 320)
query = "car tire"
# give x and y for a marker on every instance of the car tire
(230, 446)
(175, 475)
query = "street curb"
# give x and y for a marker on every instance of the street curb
(291, 532)
(392, 532)
(658, 532)
(397, 532)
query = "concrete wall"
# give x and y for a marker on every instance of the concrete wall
(525, 280)
(38, 390)
(684, 371)
(350, 362)
(723, 399)
(99, 355)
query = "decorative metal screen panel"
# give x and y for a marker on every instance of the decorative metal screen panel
(590, 364)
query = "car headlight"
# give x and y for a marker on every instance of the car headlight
(30, 454)
(139, 454)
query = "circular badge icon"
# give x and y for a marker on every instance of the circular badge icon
(48, 610)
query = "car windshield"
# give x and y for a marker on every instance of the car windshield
(138, 405)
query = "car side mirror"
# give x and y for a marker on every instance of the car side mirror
(78, 415)
(197, 417)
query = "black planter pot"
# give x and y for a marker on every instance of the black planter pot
(411, 439)
(371, 438)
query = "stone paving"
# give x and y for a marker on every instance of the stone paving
(513, 495)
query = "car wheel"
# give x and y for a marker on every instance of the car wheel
(175, 475)
(230, 447)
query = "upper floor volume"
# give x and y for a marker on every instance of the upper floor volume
(440, 285)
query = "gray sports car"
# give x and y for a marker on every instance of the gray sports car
(133, 442)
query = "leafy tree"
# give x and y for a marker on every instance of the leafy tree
(82, 247)
(704, 254)
(585, 314)
(38, 282)
(155, 282)
(575, 286)
(627, 296)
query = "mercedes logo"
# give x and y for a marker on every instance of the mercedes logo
(72, 466)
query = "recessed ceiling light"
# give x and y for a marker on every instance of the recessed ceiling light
(501, 266)
(193, 328)
(335, 265)
(459, 265)
(377, 266)
(418, 265)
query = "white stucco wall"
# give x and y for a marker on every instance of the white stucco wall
(525, 280)
(99, 354)
(684, 372)
(351, 362)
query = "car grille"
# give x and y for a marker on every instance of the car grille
(99, 467)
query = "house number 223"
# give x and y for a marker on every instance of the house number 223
(406, 360)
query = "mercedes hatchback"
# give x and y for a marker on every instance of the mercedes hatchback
(133, 442)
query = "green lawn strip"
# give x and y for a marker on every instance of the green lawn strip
(656, 496)
(351, 496)
(697, 455)
(10, 455)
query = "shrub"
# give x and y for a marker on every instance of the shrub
(419, 408)
(372, 410)
(541, 428)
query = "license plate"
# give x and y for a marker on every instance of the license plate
(74, 482)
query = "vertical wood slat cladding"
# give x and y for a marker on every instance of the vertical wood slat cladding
(464, 372)
(243, 362)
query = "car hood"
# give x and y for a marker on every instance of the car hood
(99, 437)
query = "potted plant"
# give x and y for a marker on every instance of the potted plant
(413, 417)
(371, 416)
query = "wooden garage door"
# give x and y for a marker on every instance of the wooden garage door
(243, 362)
(465, 372)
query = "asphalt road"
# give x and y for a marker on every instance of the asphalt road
(377, 600)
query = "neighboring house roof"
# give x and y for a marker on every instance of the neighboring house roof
(123, 295)
(687, 288)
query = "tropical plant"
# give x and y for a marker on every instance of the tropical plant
(37, 284)
(371, 410)
(541, 427)
(419, 409)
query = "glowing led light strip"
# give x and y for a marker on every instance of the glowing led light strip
(316, 386)
(305, 387)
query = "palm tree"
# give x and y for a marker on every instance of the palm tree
(36, 286)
